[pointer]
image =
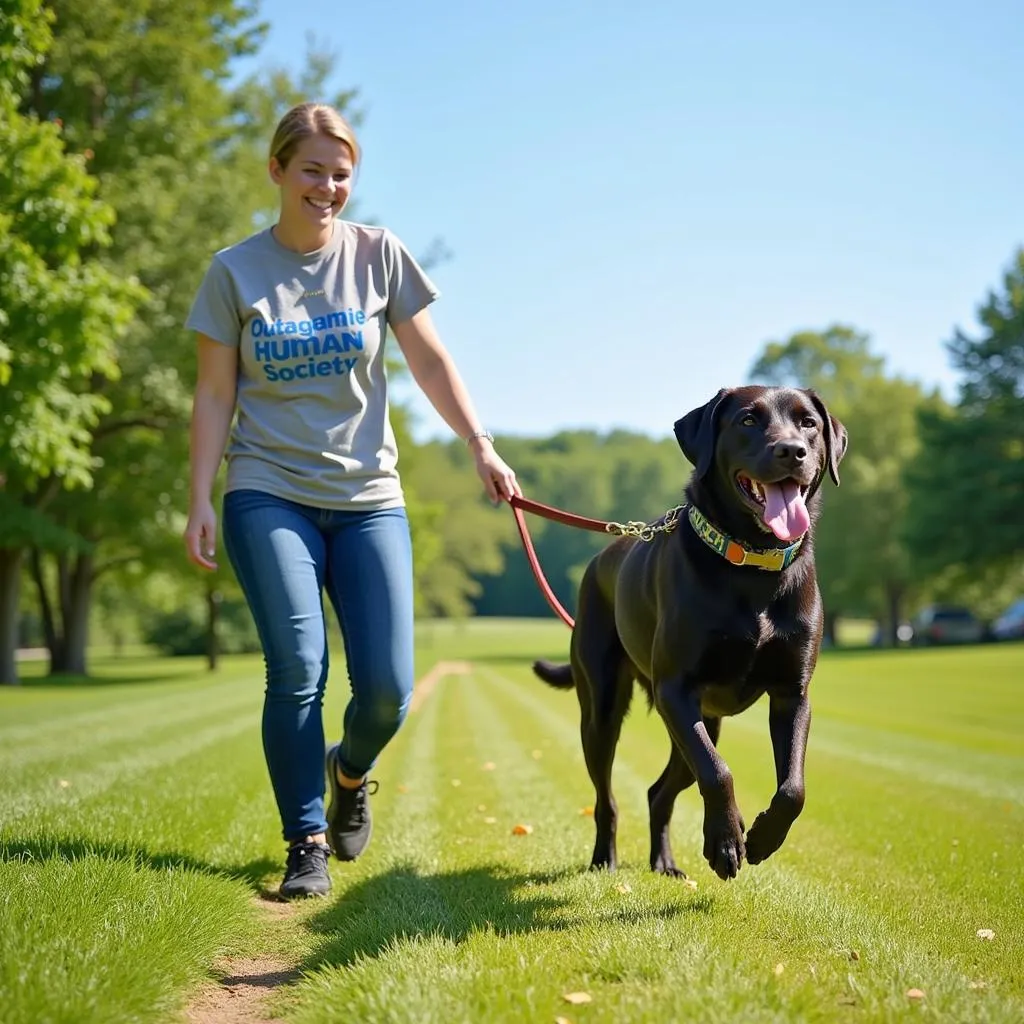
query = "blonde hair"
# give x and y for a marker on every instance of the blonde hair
(308, 119)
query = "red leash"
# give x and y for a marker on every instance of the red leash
(557, 515)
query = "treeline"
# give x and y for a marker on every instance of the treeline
(128, 154)
(929, 507)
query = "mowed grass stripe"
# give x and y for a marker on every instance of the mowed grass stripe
(377, 896)
(969, 697)
(137, 758)
(148, 684)
(557, 713)
(973, 772)
(392, 896)
(47, 753)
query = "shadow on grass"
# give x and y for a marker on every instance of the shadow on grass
(71, 848)
(403, 904)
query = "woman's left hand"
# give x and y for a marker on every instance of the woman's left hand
(499, 479)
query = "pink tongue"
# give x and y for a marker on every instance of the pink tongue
(785, 511)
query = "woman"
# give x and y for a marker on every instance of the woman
(291, 325)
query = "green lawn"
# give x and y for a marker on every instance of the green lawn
(137, 826)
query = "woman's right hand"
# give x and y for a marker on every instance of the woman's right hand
(201, 535)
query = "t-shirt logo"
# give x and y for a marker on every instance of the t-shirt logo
(301, 349)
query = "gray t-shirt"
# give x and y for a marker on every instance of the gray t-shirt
(313, 422)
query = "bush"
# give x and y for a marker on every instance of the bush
(183, 631)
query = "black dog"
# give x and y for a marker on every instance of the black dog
(710, 614)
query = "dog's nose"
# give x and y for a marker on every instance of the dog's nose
(791, 451)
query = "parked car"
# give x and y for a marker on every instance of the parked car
(1010, 625)
(946, 624)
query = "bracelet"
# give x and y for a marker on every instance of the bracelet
(485, 434)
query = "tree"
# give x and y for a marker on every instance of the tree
(143, 86)
(61, 314)
(966, 489)
(140, 88)
(863, 562)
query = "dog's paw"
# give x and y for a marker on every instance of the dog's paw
(667, 866)
(724, 848)
(766, 835)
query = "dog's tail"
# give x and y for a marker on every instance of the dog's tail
(559, 676)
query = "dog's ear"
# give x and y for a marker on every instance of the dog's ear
(835, 437)
(697, 432)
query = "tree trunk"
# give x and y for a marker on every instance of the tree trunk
(10, 584)
(213, 599)
(52, 636)
(75, 600)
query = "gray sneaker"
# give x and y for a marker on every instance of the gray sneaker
(349, 822)
(306, 871)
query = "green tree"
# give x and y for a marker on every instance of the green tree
(61, 314)
(967, 488)
(143, 87)
(141, 90)
(864, 566)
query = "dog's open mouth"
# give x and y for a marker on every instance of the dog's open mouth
(781, 506)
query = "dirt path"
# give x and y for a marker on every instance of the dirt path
(240, 993)
(425, 687)
(239, 996)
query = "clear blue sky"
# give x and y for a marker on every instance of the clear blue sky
(638, 196)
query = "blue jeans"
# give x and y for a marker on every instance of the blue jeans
(285, 556)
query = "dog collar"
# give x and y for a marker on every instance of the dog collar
(772, 560)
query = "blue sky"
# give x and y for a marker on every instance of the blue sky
(637, 197)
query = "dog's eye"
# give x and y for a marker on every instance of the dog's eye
(749, 421)
(809, 422)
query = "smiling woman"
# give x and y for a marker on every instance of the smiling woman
(292, 325)
(313, 156)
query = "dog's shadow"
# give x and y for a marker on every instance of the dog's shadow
(403, 904)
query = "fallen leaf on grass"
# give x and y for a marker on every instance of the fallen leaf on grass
(986, 933)
(977, 985)
(490, 821)
(854, 954)
(915, 993)
(577, 998)
(779, 968)
(587, 812)
(456, 782)
(690, 883)
(489, 766)
(623, 887)
(402, 788)
(63, 783)
(521, 830)
(562, 1020)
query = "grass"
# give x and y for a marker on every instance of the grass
(136, 825)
